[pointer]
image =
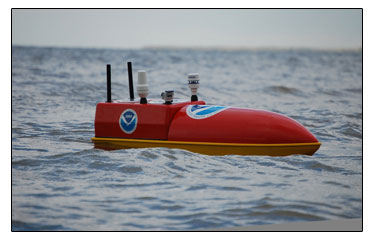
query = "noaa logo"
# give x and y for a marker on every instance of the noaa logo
(128, 121)
(203, 111)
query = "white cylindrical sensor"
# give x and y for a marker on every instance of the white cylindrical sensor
(193, 82)
(193, 76)
(142, 87)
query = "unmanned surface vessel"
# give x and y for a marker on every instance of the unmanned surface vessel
(195, 126)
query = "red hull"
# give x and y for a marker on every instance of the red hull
(153, 119)
(237, 125)
(223, 125)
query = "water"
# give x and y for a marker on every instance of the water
(60, 182)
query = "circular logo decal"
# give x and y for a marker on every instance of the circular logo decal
(203, 111)
(128, 121)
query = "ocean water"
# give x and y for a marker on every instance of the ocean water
(60, 182)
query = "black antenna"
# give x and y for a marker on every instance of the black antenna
(108, 83)
(131, 86)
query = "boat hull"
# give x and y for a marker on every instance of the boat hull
(200, 128)
(209, 148)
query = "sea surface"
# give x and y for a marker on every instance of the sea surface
(60, 182)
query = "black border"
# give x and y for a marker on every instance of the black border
(287, 227)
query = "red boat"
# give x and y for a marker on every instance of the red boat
(192, 125)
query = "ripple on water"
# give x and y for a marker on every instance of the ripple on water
(28, 226)
(279, 90)
(130, 169)
(60, 182)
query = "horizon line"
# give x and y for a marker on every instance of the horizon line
(174, 47)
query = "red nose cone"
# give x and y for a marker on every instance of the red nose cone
(237, 125)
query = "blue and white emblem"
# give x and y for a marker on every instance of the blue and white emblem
(128, 121)
(203, 111)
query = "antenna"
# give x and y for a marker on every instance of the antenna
(131, 86)
(108, 84)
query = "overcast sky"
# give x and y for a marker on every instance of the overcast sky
(248, 28)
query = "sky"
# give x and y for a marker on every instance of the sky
(206, 28)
